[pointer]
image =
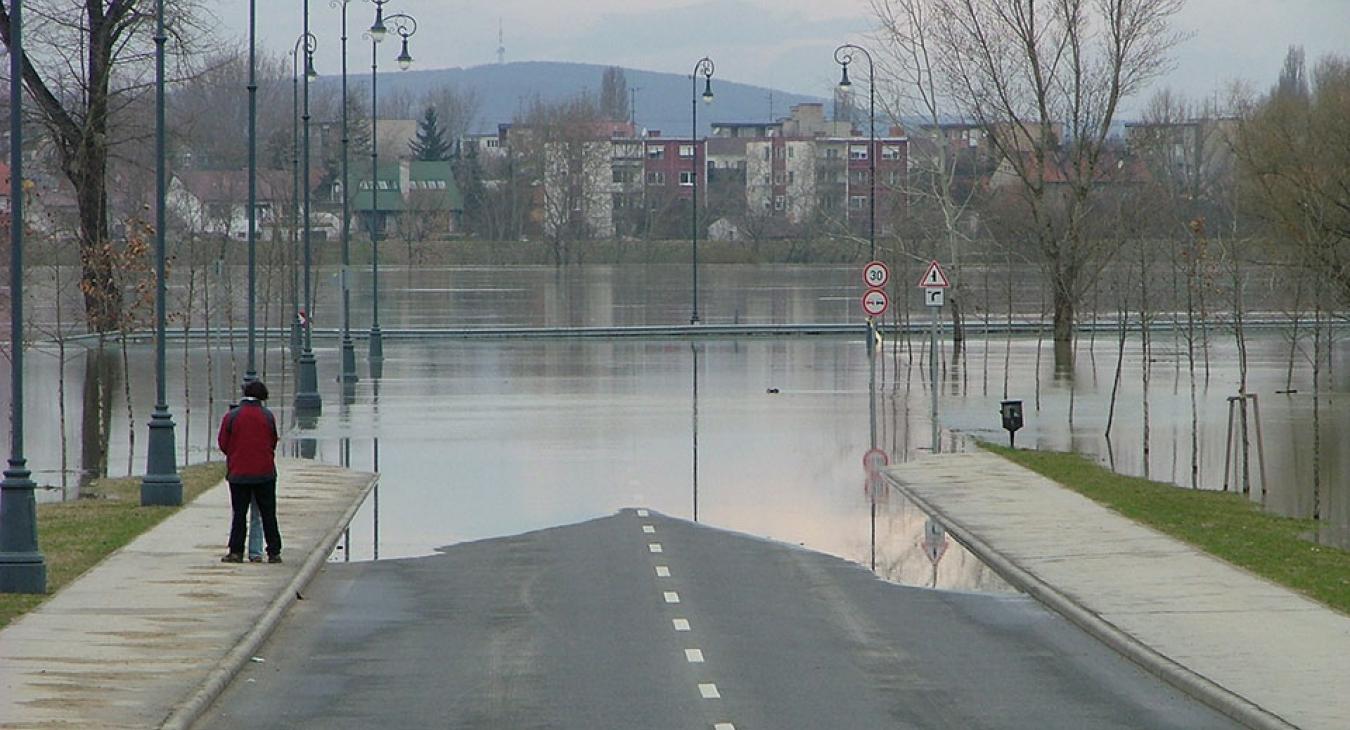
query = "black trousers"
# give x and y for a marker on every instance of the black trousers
(266, 495)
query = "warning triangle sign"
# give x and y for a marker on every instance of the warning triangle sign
(934, 278)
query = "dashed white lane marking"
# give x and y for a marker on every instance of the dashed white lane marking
(643, 513)
(694, 656)
(709, 692)
(648, 529)
(654, 547)
(723, 726)
(662, 571)
(681, 624)
(672, 597)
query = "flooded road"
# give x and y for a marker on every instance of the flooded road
(767, 436)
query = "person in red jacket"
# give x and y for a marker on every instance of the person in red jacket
(248, 436)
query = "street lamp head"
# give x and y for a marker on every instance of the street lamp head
(404, 58)
(310, 73)
(707, 90)
(844, 83)
(377, 29)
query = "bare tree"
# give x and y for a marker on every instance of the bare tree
(570, 163)
(88, 65)
(1046, 78)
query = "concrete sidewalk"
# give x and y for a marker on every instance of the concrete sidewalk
(1263, 654)
(148, 637)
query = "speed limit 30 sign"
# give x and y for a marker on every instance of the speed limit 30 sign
(876, 275)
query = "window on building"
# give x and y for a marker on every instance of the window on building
(779, 177)
(686, 151)
(857, 176)
(779, 152)
(857, 202)
(767, 179)
(790, 150)
(656, 153)
(686, 177)
(792, 176)
(778, 202)
(890, 152)
(857, 152)
(656, 178)
(831, 153)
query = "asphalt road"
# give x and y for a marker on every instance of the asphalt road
(576, 627)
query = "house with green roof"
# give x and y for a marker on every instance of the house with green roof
(409, 198)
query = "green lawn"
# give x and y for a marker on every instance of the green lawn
(74, 536)
(1223, 524)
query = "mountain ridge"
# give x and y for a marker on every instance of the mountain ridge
(662, 100)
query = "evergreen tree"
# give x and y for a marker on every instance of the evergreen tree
(430, 142)
(614, 95)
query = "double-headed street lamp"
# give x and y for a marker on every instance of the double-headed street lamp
(406, 26)
(843, 55)
(307, 400)
(348, 349)
(161, 484)
(703, 68)
(22, 569)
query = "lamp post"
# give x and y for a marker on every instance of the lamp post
(250, 368)
(348, 348)
(22, 569)
(307, 398)
(405, 25)
(843, 55)
(161, 484)
(704, 67)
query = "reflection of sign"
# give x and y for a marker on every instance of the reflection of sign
(934, 541)
(875, 486)
(875, 302)
(876, 274)
(934, 278)
(874, 460)
(933, 297)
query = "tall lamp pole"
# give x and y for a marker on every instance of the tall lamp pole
(307, 398)
(348, 373)
(161, 484)
(250, 370)
(843, 55)
(405, 25)
(22, 569)
(703, 68)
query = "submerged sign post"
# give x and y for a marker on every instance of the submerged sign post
(934, 283)
(876, 274)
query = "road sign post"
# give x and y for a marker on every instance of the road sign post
(934, 282)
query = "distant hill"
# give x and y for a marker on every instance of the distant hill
(662, 98)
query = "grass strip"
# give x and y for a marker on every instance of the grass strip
(75, 536)
(1223, 524)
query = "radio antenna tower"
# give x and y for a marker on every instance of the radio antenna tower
(501, 45)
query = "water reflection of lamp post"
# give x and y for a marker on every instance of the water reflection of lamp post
(348, 348)
(307, 397)
(705, 68)
(22, 568)
(161, 484)
(693, 348)
(405, 25)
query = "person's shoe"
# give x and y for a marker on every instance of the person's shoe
(255, 558)
(274, 558)
(232, 558)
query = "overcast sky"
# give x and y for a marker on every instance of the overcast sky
(784, 44)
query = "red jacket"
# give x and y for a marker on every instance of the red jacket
(248, 436)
